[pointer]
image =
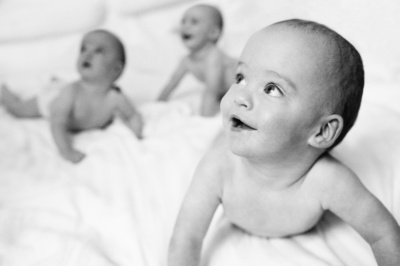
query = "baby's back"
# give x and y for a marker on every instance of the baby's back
(229, 65)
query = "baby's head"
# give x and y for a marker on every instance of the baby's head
(299, 84)
(201, 24)
(344, 74)
(102, 56)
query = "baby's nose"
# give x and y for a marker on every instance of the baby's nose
(86, 55)
(243, 99)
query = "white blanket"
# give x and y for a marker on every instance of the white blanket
(119, 205)
(115, 208)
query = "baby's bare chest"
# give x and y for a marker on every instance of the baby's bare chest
(270, 214)
(197, 68)
(90, 113)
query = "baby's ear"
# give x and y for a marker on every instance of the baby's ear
(119, 67)
(214, 33)
(327, 133)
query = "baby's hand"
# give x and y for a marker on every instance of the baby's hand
(3, 91)
(73, 156)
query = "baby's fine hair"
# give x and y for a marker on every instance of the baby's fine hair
(347, 72)
(118, 43)
(216, 14)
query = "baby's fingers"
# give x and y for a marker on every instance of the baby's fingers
(75, 157)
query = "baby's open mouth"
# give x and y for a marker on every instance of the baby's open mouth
(239, 124)
(86, 64)
(186, 36)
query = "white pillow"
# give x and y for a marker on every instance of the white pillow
(27, 19)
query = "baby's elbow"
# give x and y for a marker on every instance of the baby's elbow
(139, 135)
(139, 124)
(136, 124)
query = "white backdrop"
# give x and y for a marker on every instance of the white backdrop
(39, 38)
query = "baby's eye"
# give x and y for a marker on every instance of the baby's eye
(194, 21)
(239, 79)
(83, 48)
(99, 50)
(273, 90)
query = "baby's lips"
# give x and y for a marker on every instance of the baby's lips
(85, 64)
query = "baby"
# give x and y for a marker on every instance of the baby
(88, 103)
(298, 90)
(200, 30)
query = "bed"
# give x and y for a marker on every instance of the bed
(118, 207)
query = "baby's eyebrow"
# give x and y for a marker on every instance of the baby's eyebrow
(240, 64)
(274, 73)
(284, 78)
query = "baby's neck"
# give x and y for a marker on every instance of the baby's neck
(202, 52)
(94, 87)
(281, 174)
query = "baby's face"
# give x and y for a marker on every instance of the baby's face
(99, 57)
(196, 27)
(278, 97)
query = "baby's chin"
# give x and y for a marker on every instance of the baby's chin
(88, 75)
(243, 154)
(84, 71)
(238, 148)
(189, 45)
(192, 44)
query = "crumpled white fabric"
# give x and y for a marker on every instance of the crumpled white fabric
(117, 207)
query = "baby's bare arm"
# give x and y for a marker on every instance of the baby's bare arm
(174, 81)
(59, 122)
(129, 114)
(197, 210)
(214, 79)
(348, 198)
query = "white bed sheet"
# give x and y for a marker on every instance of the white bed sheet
(115, 208)
(119, 205)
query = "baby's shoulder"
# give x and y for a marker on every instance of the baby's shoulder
(115, 94)
(67, 91)
(216, 160)
(329, 166)
(328, 173)
(119, 101)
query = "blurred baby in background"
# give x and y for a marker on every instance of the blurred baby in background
(91, 102)
(200, 30)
